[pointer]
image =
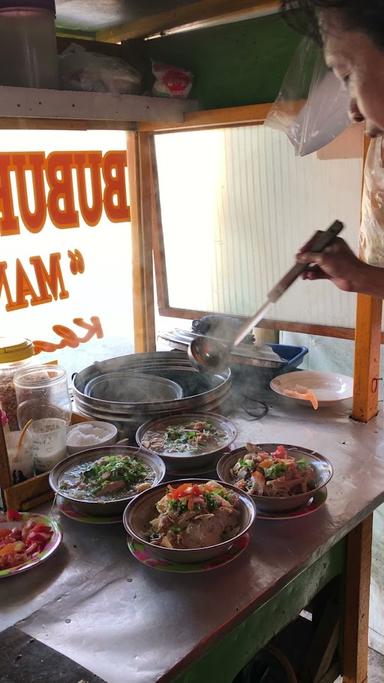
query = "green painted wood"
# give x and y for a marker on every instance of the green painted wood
(235, 64)
(232, 651)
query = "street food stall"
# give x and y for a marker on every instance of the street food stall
(266, 525)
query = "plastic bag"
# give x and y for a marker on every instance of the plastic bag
(372, 220)
(93, 72)
(323, 115)
(171, 81)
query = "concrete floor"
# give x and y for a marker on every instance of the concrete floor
(375, 668)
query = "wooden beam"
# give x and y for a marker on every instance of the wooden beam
(251, 114)
(140, 183)
(356, 612)
(367, 350)
(283, 325)
(158, 235)
(5, 471)
(367, 357)
(186, 16)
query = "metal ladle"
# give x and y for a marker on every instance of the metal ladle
(211, 354)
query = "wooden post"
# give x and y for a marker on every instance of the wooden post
(5, 471)
(367, 357)
(356, 614)
(140, 182)
(367, 348)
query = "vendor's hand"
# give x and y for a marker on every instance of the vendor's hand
(337, 263)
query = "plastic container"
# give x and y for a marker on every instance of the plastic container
(90, 434)
(15, 354)
(28, 51)
(42, 392)
(46, 443)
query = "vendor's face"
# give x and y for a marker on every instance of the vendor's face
(359, 63)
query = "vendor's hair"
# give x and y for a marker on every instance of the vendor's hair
(361, 15)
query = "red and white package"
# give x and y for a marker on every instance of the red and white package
(171, 81)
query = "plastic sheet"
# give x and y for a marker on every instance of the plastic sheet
(94, 72)
(312, 105)
(372, 222)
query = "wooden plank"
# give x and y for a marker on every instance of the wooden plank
(367, 357)
(158, 235)
(306, 328)
(140, 182)
(35, 103)
(367, 349)
(186, 16)
(251, 114)
(23, 496)
(5, 470)
(356, 619)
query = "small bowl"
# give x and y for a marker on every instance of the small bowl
(102, 508)
(142, 509)
(109, 438)
(188, 462)
(322, 467)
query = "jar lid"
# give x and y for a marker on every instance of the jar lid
(28, 4)
(14, 349)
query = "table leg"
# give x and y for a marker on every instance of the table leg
(356, 615)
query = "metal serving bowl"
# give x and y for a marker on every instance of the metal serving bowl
(201, 391)
(103, 508)
(142, 509)
(322, 467)
(187, 461)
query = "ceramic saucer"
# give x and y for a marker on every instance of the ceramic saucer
(143, 555)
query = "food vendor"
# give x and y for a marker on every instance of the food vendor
(352, 35)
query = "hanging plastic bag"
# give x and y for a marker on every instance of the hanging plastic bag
(94, 72)
(312, 105)
(372, 220)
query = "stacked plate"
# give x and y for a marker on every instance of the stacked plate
(130, 390)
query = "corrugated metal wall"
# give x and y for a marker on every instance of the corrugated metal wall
(236, 205)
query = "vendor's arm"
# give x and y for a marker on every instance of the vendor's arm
(339, 264)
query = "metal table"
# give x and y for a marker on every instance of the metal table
(125, 622)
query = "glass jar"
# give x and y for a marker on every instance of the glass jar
(28, 51)
(15, 354)
(42, 392)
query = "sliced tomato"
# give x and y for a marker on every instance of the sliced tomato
(280, 452)
(5, 532)
(43, 529)
(180, 491)
(13, 516)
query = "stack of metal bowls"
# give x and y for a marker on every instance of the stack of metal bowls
(132, 389)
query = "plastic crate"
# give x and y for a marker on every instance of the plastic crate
(293, 355)
(250, 379)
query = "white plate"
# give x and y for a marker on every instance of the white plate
(327, 386)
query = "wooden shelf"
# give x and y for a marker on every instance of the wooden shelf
(117, 111)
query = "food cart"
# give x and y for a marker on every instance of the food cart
(93, 611)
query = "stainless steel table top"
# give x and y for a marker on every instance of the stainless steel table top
(125, 622)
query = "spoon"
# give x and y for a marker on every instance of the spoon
(211, 354)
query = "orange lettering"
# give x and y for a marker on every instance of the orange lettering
(61, 189)
(52, 280)
(4, 284)
(34, 161)
(91, 160)
(24, 289)
(9, 224)
(70, 338)
(114, 165)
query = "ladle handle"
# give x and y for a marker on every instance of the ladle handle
(320, 240)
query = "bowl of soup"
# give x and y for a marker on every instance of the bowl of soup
(101, 481)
